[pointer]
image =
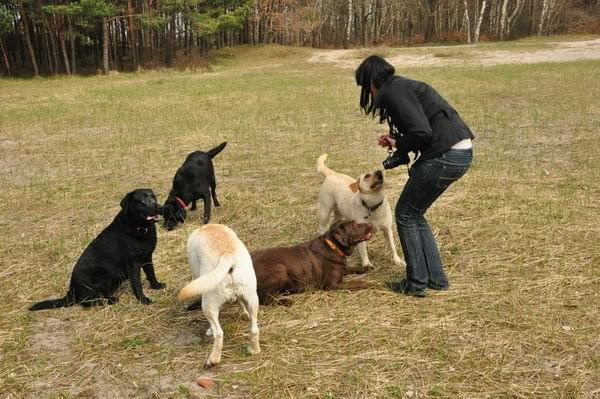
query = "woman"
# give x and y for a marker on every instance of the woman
(422, 122)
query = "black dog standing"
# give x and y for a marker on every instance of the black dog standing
(118, 253)
(194, 180)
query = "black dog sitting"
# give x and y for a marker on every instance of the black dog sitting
(117, 254)
(194, 180)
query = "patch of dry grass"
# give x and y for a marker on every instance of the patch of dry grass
(519, 235)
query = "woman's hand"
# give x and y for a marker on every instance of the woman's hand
(386, 141)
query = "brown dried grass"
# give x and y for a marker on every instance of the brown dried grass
(519, 235)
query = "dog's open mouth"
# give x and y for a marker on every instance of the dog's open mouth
(153, 218)
(377, 186)
(366, 237)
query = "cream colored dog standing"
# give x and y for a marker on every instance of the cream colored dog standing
(225, 274)
(362, 200)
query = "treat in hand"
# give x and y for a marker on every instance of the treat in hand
(386, 141)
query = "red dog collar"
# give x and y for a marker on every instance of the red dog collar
(181, 203)
(335, 248)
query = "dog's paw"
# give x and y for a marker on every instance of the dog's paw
(285, 302)
(216, 203)
(364, 269)
(112, 300)
(253, 350)
(398, 261)
(157, 286)
(212, 361)
(145, 301)
(209, 365)
(246, 314)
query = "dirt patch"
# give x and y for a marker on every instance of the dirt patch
(142, 382)
(95, 378)
(51, 336)
(468, 55)
(7, 143)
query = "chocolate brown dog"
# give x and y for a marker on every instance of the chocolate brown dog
(318, 263)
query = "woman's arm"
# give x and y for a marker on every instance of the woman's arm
(404, 107)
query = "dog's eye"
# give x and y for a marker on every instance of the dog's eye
(367, 175)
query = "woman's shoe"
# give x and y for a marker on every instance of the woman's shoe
(403, 287)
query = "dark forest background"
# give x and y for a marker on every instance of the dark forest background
(91, 36)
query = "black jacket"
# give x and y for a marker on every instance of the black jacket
(420, 119)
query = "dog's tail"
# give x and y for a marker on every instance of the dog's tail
(215, 151)
(53, 303)
(207, 282)
(321, 166)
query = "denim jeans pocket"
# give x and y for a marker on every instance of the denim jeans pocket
(420, 169)
(449, 174)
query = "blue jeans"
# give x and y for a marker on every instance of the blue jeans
(427, 180)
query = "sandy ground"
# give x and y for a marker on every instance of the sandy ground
(469, 55)
(96, 381)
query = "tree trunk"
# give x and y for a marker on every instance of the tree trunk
(542, 17)
(429, 29)
(502, 26)
(113, 34)
(513, 17)
(105, 45)
(255, 21)
(172, 41)
(133, 38)
(47, 51)
(480, 20)
(36, 71)
(349, 24)
(5, 56)
(63, 48)
(72, 42)
(467, 21)
(53, 46)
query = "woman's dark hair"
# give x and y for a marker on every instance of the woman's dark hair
(374, 69)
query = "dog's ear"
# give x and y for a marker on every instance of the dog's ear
(181, 215)
(354, 186)
(125, 202)
(340, 235)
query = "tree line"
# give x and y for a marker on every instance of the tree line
(87, 36)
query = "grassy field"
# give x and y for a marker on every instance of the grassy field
(519, 234)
